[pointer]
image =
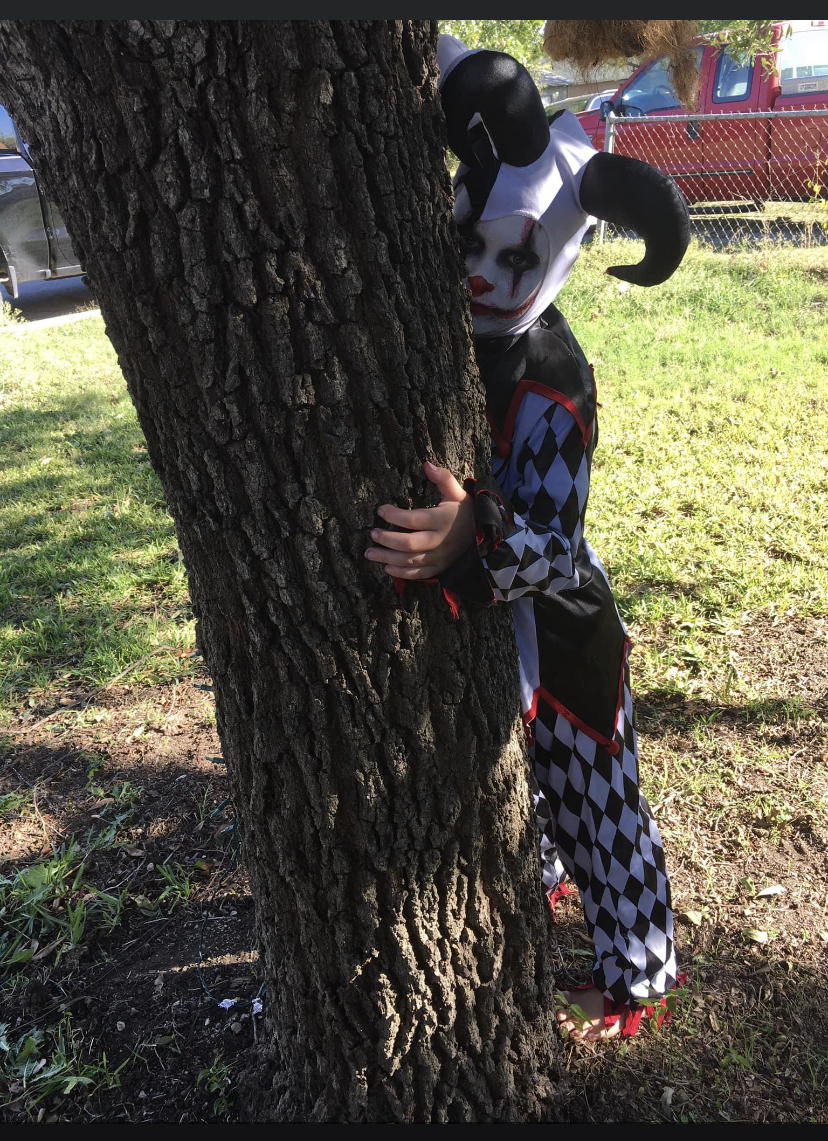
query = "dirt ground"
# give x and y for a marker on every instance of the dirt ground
(750, 1042)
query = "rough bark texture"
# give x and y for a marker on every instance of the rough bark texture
(264, 213)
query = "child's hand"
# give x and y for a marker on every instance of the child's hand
(437, 536)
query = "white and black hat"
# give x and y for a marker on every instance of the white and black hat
(516, 161)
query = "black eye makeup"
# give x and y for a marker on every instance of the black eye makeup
(518, 258)
(470, 242)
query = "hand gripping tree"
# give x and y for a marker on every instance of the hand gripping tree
(264, 213)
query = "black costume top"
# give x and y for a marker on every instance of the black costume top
(530, 549)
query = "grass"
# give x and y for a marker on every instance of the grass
(708, 508)
(38, 1065)
(711, 473)
(91, 579)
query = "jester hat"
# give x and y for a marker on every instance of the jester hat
(513, 160)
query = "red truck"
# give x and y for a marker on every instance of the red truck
(735, 159)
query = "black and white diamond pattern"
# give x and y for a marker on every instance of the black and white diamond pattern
(596, 829)
(549, 498)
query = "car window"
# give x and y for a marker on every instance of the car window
(804, 55)
(733, 78)
(8, 142)
(652, 88)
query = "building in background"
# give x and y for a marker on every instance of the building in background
(599, 78)
(552, 85)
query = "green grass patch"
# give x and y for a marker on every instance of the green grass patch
(91, 578)
(709, 490)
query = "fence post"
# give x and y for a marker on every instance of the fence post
(609, 147)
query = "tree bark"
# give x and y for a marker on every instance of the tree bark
(264, 213)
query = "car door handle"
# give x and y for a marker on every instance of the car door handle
(693, 129)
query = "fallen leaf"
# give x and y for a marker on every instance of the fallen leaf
(776, 889)
(44, 951)
(714, 1022)
(695, 917)
(132, 851)
(824, 935)
(666, 1098)
(755, 935)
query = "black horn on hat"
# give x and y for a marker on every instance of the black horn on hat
(501, 91)
(636, 196)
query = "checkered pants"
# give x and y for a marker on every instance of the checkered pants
(596, 828)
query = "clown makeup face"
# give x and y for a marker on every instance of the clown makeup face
(506, 260)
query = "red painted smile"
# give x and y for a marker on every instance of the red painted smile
(480, 310)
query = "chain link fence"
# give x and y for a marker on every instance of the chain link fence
(747, 177)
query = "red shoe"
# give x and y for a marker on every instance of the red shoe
(631, 1019)
(556, 893)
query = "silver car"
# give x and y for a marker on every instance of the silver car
(34, 244)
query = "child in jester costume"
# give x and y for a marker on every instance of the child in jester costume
(525, 192)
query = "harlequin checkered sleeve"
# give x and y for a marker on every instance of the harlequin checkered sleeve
(530, 518)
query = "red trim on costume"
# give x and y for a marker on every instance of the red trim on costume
(532, 711)
(560, 398)
(399, 585)
(451, 599)
(624, 656)
(449, 595)
(503, 440)
(612, 747)
(511, 415)
(503, 447)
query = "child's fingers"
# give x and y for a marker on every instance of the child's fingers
(396, 558)
(412, 572)
(410, 541)
(420, 519)
(449, 486)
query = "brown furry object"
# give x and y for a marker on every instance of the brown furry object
(586, 43)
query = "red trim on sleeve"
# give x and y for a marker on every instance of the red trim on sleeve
(560, 398)
(503, 446)
(399, 585)
(451, 599)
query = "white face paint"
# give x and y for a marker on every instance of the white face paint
(507, 259)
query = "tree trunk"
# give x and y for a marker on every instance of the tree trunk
(264, 213)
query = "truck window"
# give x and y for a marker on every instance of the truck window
(803, 56)
(733, 78)
(8, 143)
(651, 89)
